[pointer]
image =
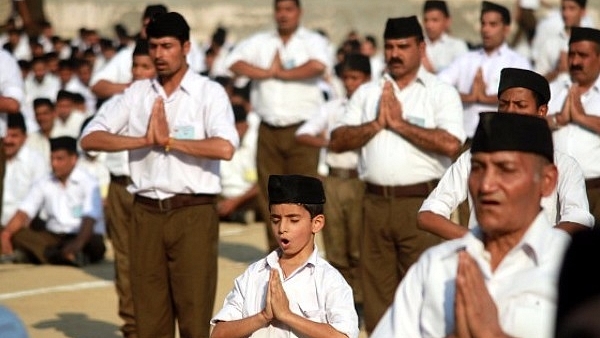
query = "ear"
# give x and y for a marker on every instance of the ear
(318, 222)
(543, 110)
(549, 179)
(187, 45)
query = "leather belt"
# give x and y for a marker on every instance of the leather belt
(413, 190)
(290, 126)
(343, 173)
(592, 183)
(120, 180)
(176, 202)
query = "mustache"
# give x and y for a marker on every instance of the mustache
(395, 60)
(576, 67)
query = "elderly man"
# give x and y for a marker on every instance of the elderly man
(574, 110)
(407, 128)
(524, 92)
(498, 280)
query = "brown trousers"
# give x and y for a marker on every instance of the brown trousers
(390, 245)
(593, 195)
(119, 204)
(173, 261)
(278, 153)
(343, 228)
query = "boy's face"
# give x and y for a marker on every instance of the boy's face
(353, 79)
(143, 67)
(294, 229)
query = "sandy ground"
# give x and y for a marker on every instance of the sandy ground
(66, 302)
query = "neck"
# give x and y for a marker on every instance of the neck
(285, 35)
(171, 82)
(405, 80)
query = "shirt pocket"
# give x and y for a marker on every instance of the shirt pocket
(533, 317)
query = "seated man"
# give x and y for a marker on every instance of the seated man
(500, 279)
(70, 197)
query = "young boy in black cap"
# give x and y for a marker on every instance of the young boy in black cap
(293, 289)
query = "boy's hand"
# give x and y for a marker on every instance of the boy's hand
(279, 302)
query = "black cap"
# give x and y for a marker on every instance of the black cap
(584, 34)
(358, 62)
(295, 189)
(436, 5)
(513, 132)
(488, 6)
(400, 28)
(67, 143)
(152, 10)
(169, 24)
(581, 3)
(16, 121)
(515, 77)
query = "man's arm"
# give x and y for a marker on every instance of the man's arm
(435, 140)
(106, 141)
(84, 235)
(9, 105)
(105, 89)
(439, 225)
(18, 221)
(308, 70)
(352, 137)
(216, 148)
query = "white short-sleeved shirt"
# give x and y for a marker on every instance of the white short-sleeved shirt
(277, 102)
(74, 85)
(69, 127)
(324, 121)
(21, 172)
(567, 203)
(40, 143)
(572, 139)
(11, 84)
(462, 71)
(548, 54)
(388, 159)
(66, 205)
(444, 50)
(197, 110)
(316, 291)
(117, 162)
(523, 286)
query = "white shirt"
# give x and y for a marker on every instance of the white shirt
(69, 127)
(11, 83)
(41, 144)
(74, 85)
(198, 109)
(325, 121)
(567, 203)
(462, 71)
(277, 102)
(21, 172)
(523, 286)
(117, 162)
(316, 291)
(547, 55)
(388, 159)
(239, 174)
(97, 168)
(65, 206)
(48, 89)
(444, 50)
(572, 139)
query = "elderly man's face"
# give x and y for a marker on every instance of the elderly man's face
(520, 100)
(584, 62)
(507, 187)
(403, 56)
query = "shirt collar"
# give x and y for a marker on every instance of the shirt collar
(503, 49)
(423, 77)
(272, 260)
(186, 83)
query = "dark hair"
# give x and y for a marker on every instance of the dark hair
(297, 2)
(314, 209)
(42, 101)
(17, 121)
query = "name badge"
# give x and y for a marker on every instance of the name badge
(184, 132)
(76, 211)
(417, 121)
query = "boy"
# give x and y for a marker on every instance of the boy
(293, 290)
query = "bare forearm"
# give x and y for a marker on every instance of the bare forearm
(589, 122)
(435, 140)
(313, 141)
(105, 141)
(307, 328)
(239, 328)
(9, 105)
(571, 228)
(352, 137)
(214, 148)
(18, 221)
(439, 225)
(309, 70)
(85, 233)
(253, 72)
(105, 89)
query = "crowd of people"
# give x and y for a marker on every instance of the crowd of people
(447, 177)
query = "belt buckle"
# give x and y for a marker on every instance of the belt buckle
(388, 191)
(164, 205)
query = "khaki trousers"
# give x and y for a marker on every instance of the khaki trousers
(119, 203)
(278, 153)
(390, 245)
(173, 257)
(343, 228)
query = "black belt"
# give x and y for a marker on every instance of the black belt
(270, 126)
(120, 179)
(413, 190)
(592, 183)
(175, 202)
(343, 173)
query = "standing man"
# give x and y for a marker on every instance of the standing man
(524, 92)
(407, 127)
(285, 66)
(177, 128)
(442, 48)
(574, 110)
(500, 279)
(476, 74)
(11, 95)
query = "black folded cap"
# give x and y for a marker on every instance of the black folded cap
(295, 189)
(515, 77)
(400, 28)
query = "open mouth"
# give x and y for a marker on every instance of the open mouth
(285, 241)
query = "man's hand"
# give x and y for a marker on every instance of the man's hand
(267, 312)
(276, 67)
(576, 107)
(279, 301)
(7, 247)
(158, 127)
(478, 88)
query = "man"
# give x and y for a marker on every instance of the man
(11, 96)
(477, 73)
(70, 198)
(442, 48)
(574, 110)
(407, 130)
(176, 127)
(23, 166)
(68, 119)
(39, 83)
(550, 58)
(289, 62)
(45, 114)
(499, 280)
(524, 92)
